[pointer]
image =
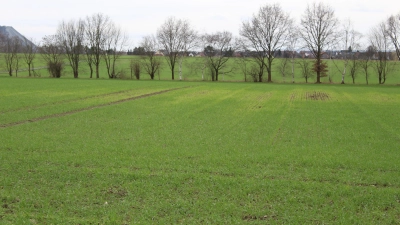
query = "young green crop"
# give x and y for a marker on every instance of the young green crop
(203, 152)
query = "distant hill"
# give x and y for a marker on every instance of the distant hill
(10, 32)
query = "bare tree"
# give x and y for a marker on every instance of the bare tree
(379, 40)
(135, 68)
(393, 31)
(365, 62)
(17, 59)
(114, 42)
(190, 40)
(95, 32)
(176, 37)
(291, 47)
(71, 37)
(267, 32)
(12, 46)
(217, 49)
(354, 66)
(52, 53)
(305, 68)
(89, 59)
(284, 67)
(318, 30)
(29, 50)
(348, 42)
(244, 64)
(150, 61)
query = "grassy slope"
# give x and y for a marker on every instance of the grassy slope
(209, 153)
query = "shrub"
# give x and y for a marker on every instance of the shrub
(55, 69)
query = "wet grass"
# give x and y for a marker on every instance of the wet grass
(219, 153)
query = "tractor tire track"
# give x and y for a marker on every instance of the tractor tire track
(64, 101)
(87, 108)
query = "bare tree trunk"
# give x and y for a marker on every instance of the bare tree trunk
(16, 66)
(269, 69)
(91, 71)
(318, 70)
(292, 70)
(202, 74)
(261, 73)
(97, 71)
(173, 71)
(343, 73)
(180, 68)
(29, 69)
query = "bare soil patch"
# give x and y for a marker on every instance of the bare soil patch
(322, 96)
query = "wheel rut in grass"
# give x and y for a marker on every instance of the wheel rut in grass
(64, 101)
(88, 108)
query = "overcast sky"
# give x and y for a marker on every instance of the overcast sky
(36, 18)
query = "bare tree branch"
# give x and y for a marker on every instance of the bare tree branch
(52, 53)
(267, 32)
(71, 37)
(176, 37)
(393, 31)
(95, 32)
(150, 61)
(29, 53)
(114, 42)
(216, 49)
(379, 40)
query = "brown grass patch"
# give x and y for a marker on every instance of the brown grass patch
(321, 96)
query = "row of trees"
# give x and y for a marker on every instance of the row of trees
(97, 39)
(92, 40)
(271, 30)
(11, 48)
(320, 31)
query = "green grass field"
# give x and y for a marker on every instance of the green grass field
(191, 71)
(80, 151)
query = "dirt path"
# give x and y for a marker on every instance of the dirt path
(87, 108)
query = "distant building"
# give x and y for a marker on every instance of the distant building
(159, 53)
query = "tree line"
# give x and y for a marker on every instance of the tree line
(92, 40)
(268, 34)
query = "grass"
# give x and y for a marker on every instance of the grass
(191, 71)
(219, 153)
